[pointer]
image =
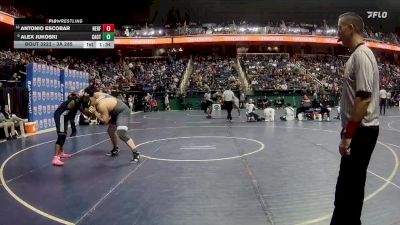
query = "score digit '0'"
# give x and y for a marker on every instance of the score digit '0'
(108, 27)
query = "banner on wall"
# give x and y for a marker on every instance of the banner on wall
(43, 83)
(73, 81)
(47, 88)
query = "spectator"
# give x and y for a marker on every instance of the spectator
(153, 105)
(289, 113)
(6, 125)
(269, 113)
(18, 122)
(250, 111)
(166, 102)
(242, 99)
(304, 105)
(382, 102)
(131, 103)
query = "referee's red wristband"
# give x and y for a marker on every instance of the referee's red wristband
(351, 129)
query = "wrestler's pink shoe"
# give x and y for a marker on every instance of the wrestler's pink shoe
(64, 155)
(57, 161)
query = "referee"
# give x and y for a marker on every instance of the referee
(359, 112)
(228, 96)
(382, 103)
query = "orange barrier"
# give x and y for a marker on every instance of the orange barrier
(383, 46)
(273, 38)
(254, 38)
(31, 127)
(6, 18)
(243, 38)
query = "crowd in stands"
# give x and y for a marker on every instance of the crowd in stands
(10, 9)
(157, 75)
(281, 72)
(390, 76)
(313, 73)
(264, 72)
(154, 75)
(13, 66)
(213, 72)
(320, 76)
(271, 72)
(326, 70)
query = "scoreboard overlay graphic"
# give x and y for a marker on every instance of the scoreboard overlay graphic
(62, 34)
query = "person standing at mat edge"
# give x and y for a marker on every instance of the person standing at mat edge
(382, 101)
(116, 113)
(359, 112)
(228, 96)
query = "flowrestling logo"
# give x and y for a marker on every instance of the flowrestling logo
(377, 14)
(30, 93)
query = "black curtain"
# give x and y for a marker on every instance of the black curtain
(18, 100)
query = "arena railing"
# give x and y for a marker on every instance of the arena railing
(233, 38)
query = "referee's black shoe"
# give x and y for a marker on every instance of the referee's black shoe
(113, 152)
